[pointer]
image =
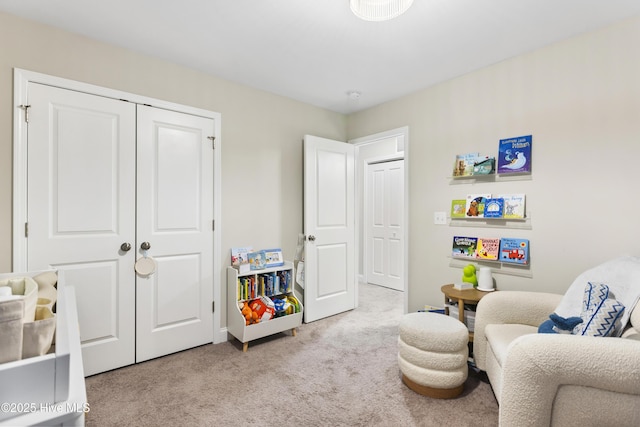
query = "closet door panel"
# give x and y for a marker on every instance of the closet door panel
(81, 209)
(175, 214)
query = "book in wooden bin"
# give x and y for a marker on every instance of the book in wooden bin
(514, 155)
(458, 208)
(488, 248)
(475, 204)
(464, 247)
(514, 206)
(464, 164)
(515, 251)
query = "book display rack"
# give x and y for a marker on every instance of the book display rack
(262, 303)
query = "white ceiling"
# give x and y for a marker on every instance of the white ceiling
(317, 51)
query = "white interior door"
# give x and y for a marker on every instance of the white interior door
(91, 204)
(329, 224)
(81, 209)
(384, 217)
(175, 216)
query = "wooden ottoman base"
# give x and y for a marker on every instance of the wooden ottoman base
(436, 393)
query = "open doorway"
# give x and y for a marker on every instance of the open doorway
(383, 216)
(374, 157)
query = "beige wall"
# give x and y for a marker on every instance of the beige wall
(261, 132)
(580, 99)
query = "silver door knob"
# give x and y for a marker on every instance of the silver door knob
(125, 247)
(145, 246)
(312, 238)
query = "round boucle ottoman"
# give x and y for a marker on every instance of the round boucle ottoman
(432, 354)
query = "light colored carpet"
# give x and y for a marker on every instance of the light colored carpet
(339, 371)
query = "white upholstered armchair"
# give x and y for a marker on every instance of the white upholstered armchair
(560, 379)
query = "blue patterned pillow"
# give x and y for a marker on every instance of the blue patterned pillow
(601, 314)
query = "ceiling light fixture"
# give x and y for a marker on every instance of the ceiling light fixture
(379, 10)
(353, 95)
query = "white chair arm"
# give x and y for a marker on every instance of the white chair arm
(504, 307)
(538, 365)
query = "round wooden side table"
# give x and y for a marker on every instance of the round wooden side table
(462, 297)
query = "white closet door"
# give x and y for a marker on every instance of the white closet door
(81, 209)
(384, 216)
(175, 214)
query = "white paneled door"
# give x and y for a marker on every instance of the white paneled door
(384, 218)
(175, 211)
(329, 225)
(81, 209)
(93, 199)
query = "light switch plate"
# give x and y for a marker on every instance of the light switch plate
(440, 218)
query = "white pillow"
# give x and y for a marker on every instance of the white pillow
(622, 275)
(601, 315)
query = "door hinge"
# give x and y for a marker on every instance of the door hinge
(25, 108)
(213, 306)
(26, 229)
(213, 225)
(213, 141)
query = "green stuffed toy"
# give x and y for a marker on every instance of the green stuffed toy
(469, 275)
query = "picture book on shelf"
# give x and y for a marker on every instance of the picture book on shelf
(475, 204)
(464, 247)
(488, 248)
(514, 206)
(484, 165)
(514, 250)
(494, 208)
(239, 255)
(514, 155)
(458, 208)
(464, 164)
(256, 260)
(240, 259)
(273, 257)
(247, 288)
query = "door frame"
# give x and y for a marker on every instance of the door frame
(21, 80)
(402, 134)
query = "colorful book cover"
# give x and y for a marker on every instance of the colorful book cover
(458, 208)
(514, 155)
(488, 248)
(284, 278)
(239, 255)
(514, 206)
(256, 260)
(484, 166)
(464, 247)
(494, 208)
(464, 164)
(244, 283)
(273, 257)
(475, 204)
(514, 250)
(254, 287)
